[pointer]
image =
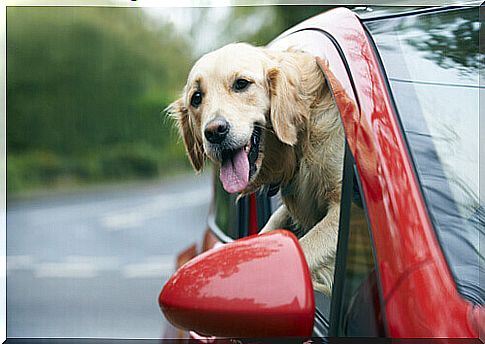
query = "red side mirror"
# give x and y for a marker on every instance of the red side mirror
(259, 286)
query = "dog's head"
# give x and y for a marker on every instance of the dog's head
(238, 99)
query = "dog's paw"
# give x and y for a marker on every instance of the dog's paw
(277, 221)
(321, 267)
(322, 278)
(267, 228)
(324, 289)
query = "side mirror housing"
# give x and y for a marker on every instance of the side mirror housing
(258, 286)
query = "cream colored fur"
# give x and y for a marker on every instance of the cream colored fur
(303, 141)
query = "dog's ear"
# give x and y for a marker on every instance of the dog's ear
(192, 141)
(287, 113)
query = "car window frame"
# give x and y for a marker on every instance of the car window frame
(350, 180)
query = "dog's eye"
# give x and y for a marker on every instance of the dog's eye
(240, 84)
(196, 99)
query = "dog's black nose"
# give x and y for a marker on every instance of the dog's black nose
(216, 130)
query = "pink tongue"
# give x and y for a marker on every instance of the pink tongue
(234, 172)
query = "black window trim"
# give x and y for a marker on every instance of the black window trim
(342, 243)
(350, 179)
(263, 206)
(242, 214)
(374, 255)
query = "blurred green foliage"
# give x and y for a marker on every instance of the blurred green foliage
(85, 93)
(86, 87)
(269, 21)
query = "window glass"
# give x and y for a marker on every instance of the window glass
(432, 62)
(359, 256)
(360, 315)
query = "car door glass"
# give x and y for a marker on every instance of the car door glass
(361, 315)
(356, 302)
(432, 63)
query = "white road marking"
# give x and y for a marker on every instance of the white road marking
(77, 267)
(93, 266)
(155, 266)
(136, 216)
(65, 270)
(101, 262)
(20, 262)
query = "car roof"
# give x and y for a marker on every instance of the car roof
(375, 12)
(406, 7)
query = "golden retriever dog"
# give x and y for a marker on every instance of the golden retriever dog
(268, 120)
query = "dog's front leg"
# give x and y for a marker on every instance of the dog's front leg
(319, 246)
(278, 220)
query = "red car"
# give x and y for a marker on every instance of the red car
(408, 264)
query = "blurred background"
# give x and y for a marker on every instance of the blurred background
(100, 194)
(87, 87)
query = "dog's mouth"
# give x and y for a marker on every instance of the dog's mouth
(239, 165)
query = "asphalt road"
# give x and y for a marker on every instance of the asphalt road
(92, 264)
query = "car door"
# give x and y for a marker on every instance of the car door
(389, 262)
